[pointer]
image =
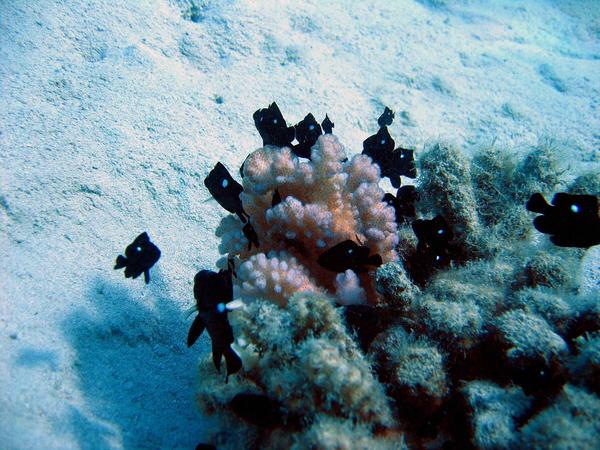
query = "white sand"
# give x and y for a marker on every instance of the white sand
(109, 122)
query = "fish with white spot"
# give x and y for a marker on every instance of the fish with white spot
(139, 257)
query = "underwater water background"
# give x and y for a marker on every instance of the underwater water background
(113, 112)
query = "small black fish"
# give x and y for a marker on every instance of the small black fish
(226, 190)
(203, 446)
(365, 321)
(139, 257)
(272, 127)
(214, 294)
(392, 163)
(433, 234)
(348, 255)
(435, 249)
(403, 203)
(276, 198)
(257, 409)
(250, 235)
(571, 221)
(307, 132)
(327, 125)
(386, 118)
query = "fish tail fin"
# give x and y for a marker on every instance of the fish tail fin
(537, 203)
(120, 262)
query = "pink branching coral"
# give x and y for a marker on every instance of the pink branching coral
(325, 201)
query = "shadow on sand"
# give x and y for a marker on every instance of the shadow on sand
(135, 372)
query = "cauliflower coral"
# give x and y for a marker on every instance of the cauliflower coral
(324, 201)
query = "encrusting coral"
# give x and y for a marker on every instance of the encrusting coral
(491, 347)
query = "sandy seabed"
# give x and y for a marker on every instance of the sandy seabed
(113, 112)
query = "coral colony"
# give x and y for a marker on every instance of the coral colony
(433, 318)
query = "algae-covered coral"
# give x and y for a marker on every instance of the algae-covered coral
(482, 346)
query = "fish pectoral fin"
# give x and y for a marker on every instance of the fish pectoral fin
(147, 276)
(120, 262)
(195, 330)
(233, 361)
(234, 304)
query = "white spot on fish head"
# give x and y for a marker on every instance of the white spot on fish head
(224, 183)
(575, 208)
(221, 307)
(138, 249)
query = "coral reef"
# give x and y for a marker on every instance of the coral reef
(303, 357)
(490, 348)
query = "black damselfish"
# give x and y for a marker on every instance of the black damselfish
(307, 132)
(272, 127)
(257, 409)
(139, 257)
(274, 130)
(571, 221)
(327, 125)
(403, 203)
(434, 234)
(386, 118)
(365, 321)
(393, 163)
(250, 234)
(434, 251)
(348, 255)
(226, 190)
(214, 294)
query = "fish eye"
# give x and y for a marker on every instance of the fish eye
(221, 307)
(138, 249)
(224, 183)
(382, 141)
(274, 121)
(440, 231)
(401, 155)
(349, 251)
(311, 127)
(575, 208)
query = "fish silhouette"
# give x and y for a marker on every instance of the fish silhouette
(327, 125)
(403, 203)
(348, 255)
(214, 299)
(307, 132)
(571, 221)
(139, 257)
(226, 191)
(272, 127)
(392, 163)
